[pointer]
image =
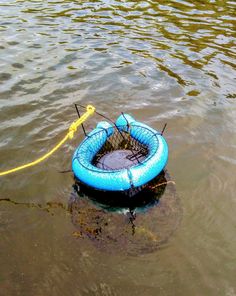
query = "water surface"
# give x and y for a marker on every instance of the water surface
(161, 61)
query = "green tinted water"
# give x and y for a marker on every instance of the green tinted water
(163, 61)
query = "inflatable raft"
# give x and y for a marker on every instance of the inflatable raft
(120, 157)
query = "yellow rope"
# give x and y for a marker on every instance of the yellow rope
(72, 129)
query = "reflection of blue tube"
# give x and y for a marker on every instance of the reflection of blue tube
(122, 179)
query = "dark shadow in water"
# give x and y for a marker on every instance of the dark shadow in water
(131, 225)
(133, 199)
(119, 223)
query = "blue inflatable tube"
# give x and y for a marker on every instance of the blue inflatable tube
(121, 179)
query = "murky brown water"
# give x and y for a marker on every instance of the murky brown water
(163, 61)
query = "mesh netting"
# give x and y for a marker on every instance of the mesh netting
(120, 151)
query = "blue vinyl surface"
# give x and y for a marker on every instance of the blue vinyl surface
(122, 179)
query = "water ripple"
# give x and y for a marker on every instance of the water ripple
(163, 61)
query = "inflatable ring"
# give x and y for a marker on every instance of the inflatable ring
(126, 178)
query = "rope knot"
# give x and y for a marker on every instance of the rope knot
(72, 130)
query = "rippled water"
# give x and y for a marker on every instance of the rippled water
(163, 61)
